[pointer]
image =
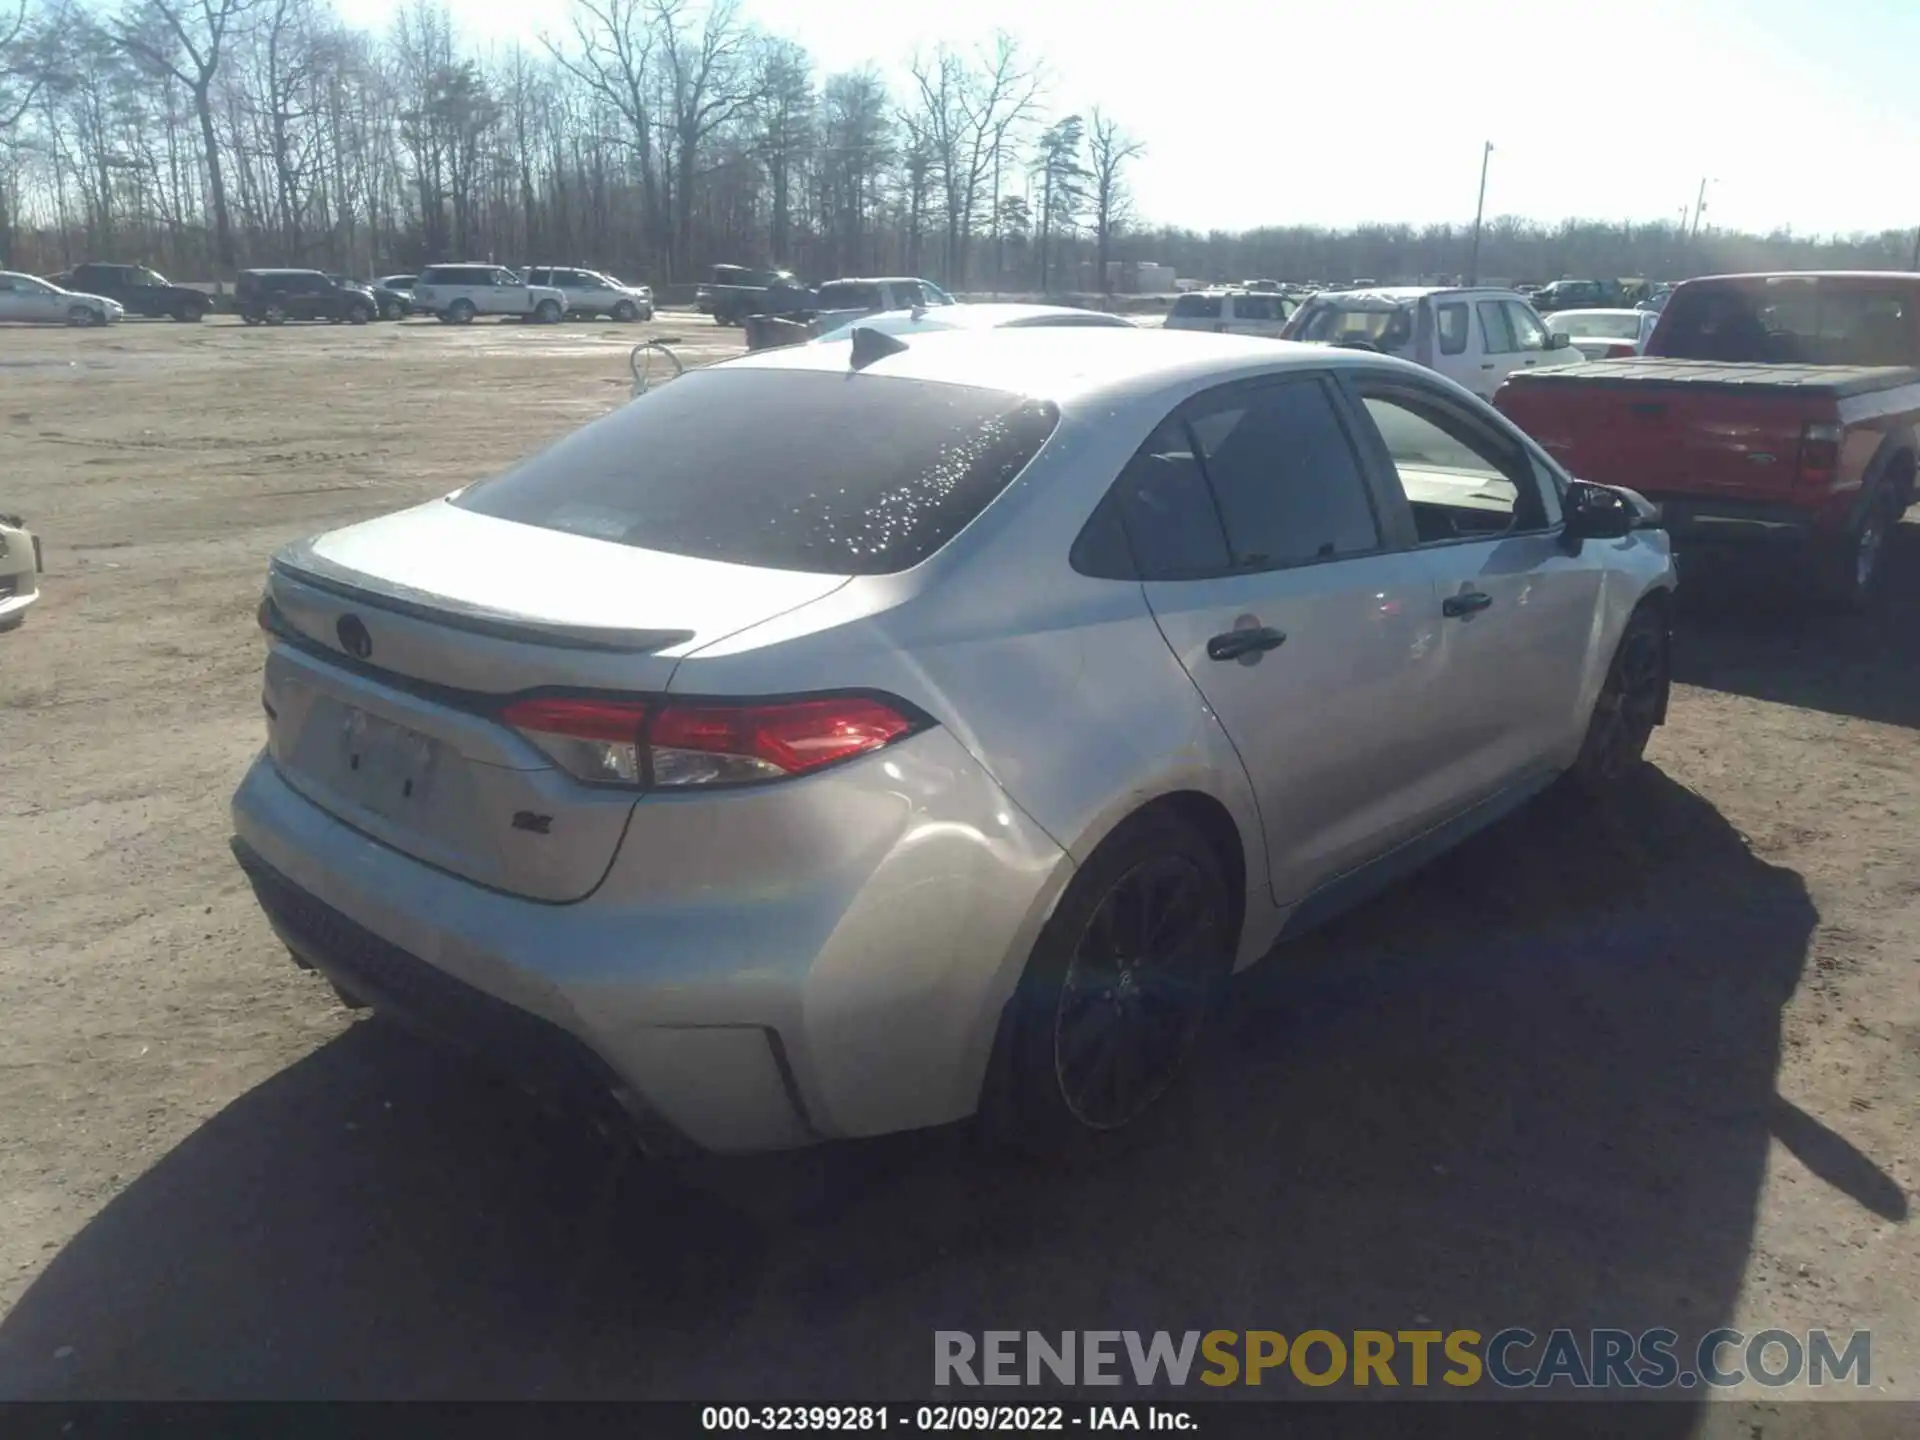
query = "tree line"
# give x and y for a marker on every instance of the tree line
(652, 138)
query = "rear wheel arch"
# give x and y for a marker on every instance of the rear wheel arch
(1216, 825)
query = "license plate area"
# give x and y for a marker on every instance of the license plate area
(386, 767)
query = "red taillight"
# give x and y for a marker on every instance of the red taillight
(1820, 451)
(630, 742)
(1622, 350)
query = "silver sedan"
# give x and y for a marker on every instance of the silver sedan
(846, 739)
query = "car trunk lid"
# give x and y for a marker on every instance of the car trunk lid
(395, 651)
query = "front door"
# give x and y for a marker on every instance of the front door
(1266, 565)
(1515, 610)
(1499, 350)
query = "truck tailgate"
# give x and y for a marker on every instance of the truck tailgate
(1685, 427)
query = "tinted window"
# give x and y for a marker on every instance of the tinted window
(848, 295)
(1792, 321)
(545, 277)
(838, 474)
(1450, 323)
(1528, 333)
(1256, 307)
(1197, 307)
(1285, 477)
(1495, 333)
(1462, 479)
(1167, 511)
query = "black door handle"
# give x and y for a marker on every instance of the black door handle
(1471, 602)
(1247, 644)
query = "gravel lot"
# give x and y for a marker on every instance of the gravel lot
(1660, 1066)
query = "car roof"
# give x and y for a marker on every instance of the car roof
(1069, 364)
(971, 317)
(1617, 310)
(879, 280)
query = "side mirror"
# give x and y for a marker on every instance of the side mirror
(1600, 512)
(1559, 340)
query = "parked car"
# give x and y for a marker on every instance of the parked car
(1072, 674)
(28, 298)
(1604, 334)
(273, 297)
(1232, 312)
(457, 293)
(735, 292)
(20, 567)
(1475, 337)
(1657, 301)
(391, 304)
(589, 293)
(137, 290)
(925, 319)
(1576, 295)
(402, 283)
(1775, 413)
(838, 301)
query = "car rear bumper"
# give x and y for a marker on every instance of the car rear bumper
(820, 990)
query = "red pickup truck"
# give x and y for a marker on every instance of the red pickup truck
(1767, 410)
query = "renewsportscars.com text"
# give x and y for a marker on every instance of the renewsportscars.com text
(1514, 1358)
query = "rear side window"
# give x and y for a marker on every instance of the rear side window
(1196, 307)
(1286, 478)
(1257, 307)
(838, 475)
(1167, 511)
(1450, 324)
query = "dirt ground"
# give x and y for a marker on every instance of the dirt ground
(1655, 1068)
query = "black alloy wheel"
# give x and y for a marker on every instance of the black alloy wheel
(1630, 702)
(1137, 989)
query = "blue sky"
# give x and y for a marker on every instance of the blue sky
(1802, 113)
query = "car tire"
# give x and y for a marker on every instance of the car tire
(274, 315)
(647, 313)
(361, 314)
(626, 312)
(79, 316)
(460, 312)
(1631, 703)
(1084, 1009)
(1850, 573)
(390, 311)
(547, 312)
(190, 313)
(248, 317)
(13, 622)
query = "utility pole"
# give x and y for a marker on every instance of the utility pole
(1479, 210)
(1698, 206)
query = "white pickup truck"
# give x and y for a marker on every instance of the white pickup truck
(457, 293)
(1477, 337)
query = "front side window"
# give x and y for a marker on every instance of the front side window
(1528, 332)
(1450, 324)
(1496, 333)
(1196, 307)
(1462, 479)
(838, 475)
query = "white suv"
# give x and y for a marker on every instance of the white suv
(588, 293)
(457, 293)
(1232, 312)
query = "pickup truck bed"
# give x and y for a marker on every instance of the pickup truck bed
(1761, 449)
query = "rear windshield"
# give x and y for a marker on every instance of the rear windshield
(1587, 324)
(1791, 322)
(1197, 307)
(837, 474)
(1331, 323)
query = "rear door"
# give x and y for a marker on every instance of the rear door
(1286, 604)
(1456, 352)
(1256, 315)
(1516, 612)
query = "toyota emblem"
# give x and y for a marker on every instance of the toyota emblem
(354, 638)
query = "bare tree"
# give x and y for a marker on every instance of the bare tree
(1062, 183)
(709, 85)
(784, 108)
(21, 74)
(614, 61)
(187, 39)
(1109, 148)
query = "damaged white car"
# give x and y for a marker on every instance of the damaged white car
(19, 570)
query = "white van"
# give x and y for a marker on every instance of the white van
(1476, 337)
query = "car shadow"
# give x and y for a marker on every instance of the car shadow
(1744, 629)
(1532, 1086)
